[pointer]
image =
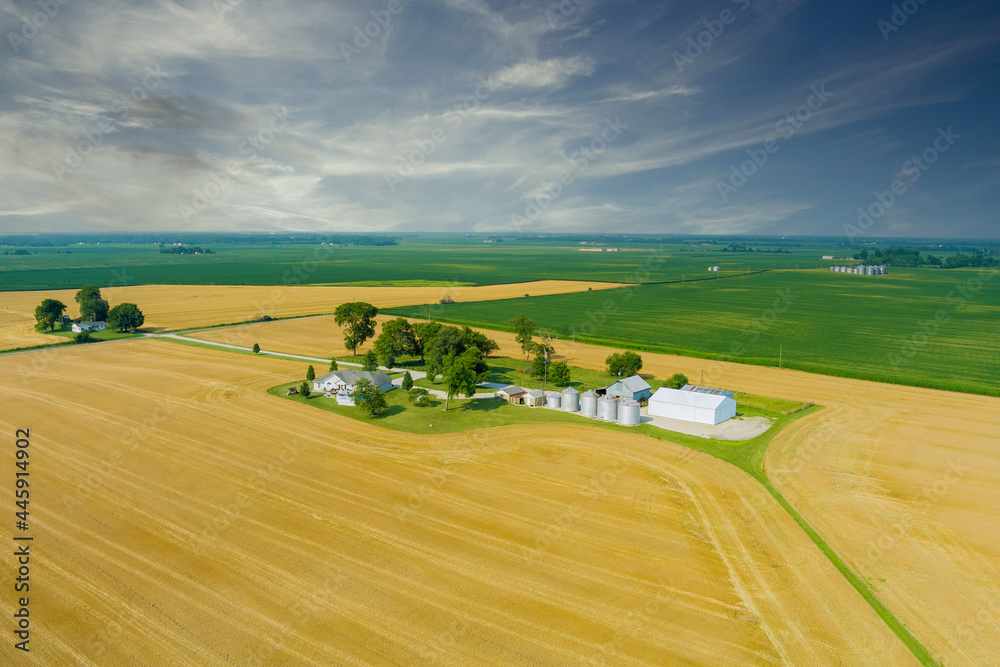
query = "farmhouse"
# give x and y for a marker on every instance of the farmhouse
(692, 406)
(633, 387)
(346, 381)
(89, 326)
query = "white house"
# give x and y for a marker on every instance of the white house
(345, 382)
(631, 387)
(89, 326)
(692, 406)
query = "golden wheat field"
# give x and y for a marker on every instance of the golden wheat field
(183, 516)
(184, 306)
(900, 481)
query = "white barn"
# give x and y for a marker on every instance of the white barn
(692, 406)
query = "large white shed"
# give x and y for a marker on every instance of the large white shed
(692, 406)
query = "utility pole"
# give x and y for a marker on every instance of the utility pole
(779, 356)
(702, 380)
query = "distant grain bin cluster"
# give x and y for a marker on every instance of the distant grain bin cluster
(863, 270)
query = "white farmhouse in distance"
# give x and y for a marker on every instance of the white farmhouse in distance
(79, 327)
(692, 406)
(347, 381)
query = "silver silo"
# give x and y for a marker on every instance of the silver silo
(553, 401)
(607, 409)
(588, 403)
(570, 400)
(628, 412)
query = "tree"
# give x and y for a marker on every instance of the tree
(125, 317)
(453, 342)
(407, 383)
(423, 333)
(397, 338)
(624, 365)
(559, 373)
(543, 359)
(92, 306)
(370, 361)
(333, 364)
(357, 318)
(47, 313)
(305, 389)
(256, 348)
(676, 381)
(460, 375)
(369, 397)
(523, 329)
(310, 373)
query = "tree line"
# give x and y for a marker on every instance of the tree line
(123, 318)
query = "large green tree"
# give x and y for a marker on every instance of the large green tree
(624, 364)
(92, 306)
(559, 373)
(397, 339)
(368, 397)
(370, 361)
(676, 381)
(460, 375)
(357, 318)
(47, 313)
(523, 329)
(424, 332)
(451, 342)
(125, 317)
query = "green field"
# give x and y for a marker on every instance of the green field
(870, 327)
(411, 262)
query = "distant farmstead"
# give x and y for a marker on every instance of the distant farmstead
(79, 327)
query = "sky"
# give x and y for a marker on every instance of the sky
(857, 119)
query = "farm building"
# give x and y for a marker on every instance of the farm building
(534, 398)
(713, 268)
(89, 326)
(345, 382)
(633, 387)
(692, 406)
(512, 394)
(708, 390)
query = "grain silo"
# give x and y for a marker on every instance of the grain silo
(607, 409)
(628, 412)
(553, 401)
(570, 400)
(588, 403)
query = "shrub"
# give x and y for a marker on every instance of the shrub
(256, 348)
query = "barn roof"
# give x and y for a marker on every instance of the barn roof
(691, 398)
(633, 384)
(708, 390)
(512, 390)
(536, 393)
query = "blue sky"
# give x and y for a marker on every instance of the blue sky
(467, 115)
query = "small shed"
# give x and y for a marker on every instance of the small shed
(692, 406)
(633, 387)
(512, 394)
(534, 398)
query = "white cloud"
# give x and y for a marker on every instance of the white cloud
(552, 73)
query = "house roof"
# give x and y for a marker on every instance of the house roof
(691, 398)
(351, 377)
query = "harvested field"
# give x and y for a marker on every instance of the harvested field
(185, 517)
(901, 481)
(184, 306)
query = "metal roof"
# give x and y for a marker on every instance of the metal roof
(708, 390)
(351, 377)
(512, 390)
(536, 393)
(570, 390)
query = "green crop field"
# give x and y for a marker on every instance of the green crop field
(416, 261)
(871, 327)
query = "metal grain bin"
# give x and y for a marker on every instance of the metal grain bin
(628, 413)
(607, 409)
(588, 403)
(553, 401)
(570, 400)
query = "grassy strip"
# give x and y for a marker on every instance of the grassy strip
(30, 348)
(819, 369)
(912, 643)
